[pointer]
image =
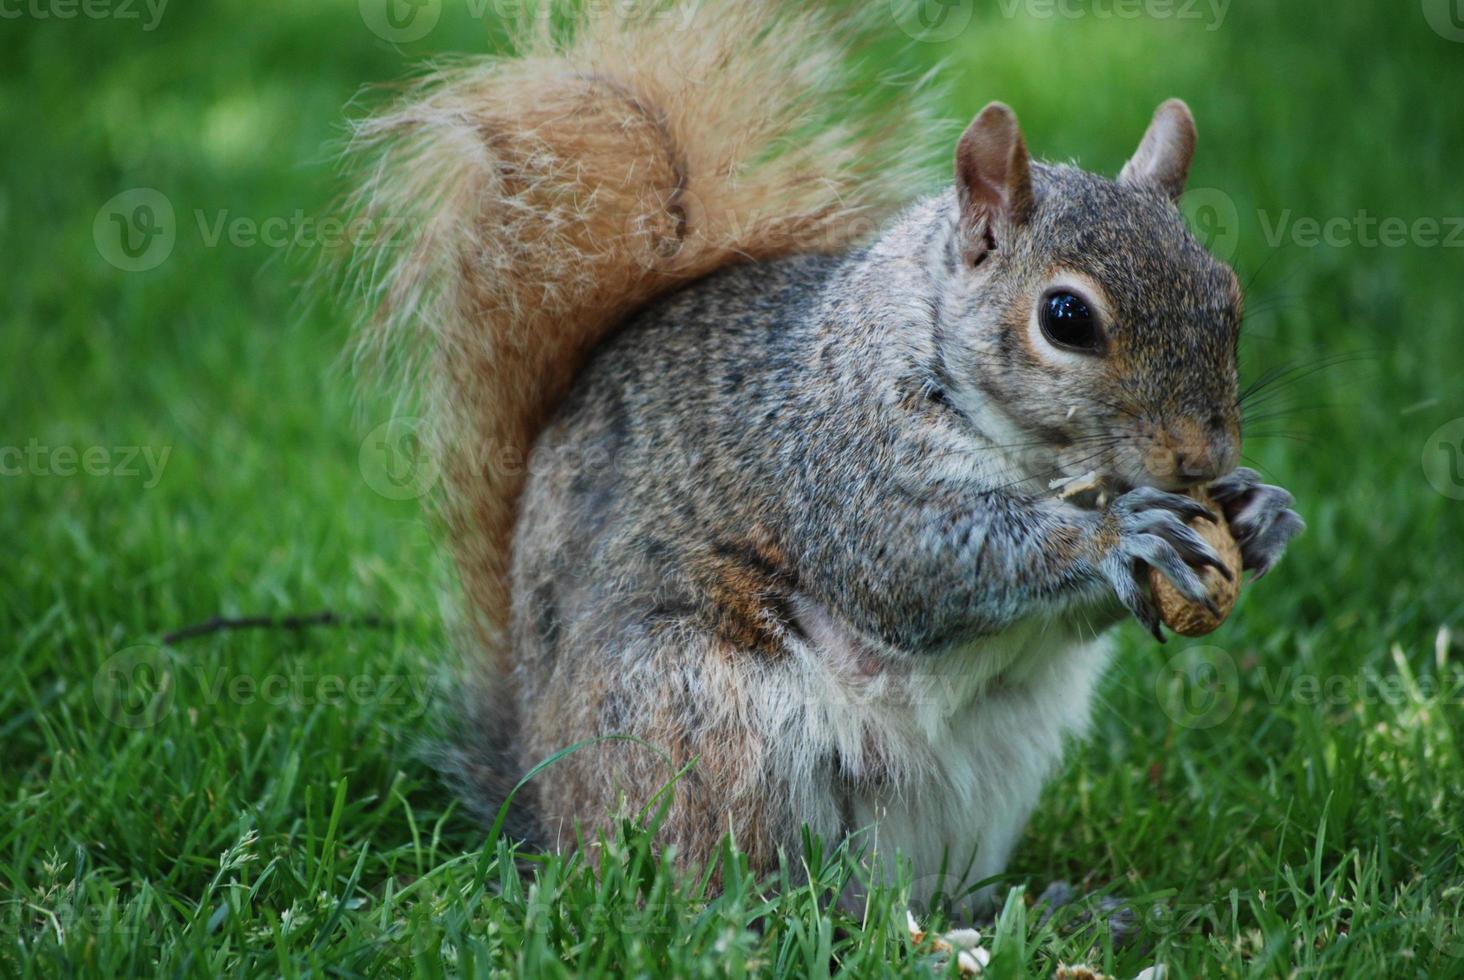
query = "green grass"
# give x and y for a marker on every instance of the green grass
(261, 804)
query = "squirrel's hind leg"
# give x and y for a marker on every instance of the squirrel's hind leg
(674, 732)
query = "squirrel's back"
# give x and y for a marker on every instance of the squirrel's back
(681, 382)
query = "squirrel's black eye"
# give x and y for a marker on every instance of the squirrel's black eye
(1068, 322)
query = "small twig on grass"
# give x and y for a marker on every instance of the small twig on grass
(220, 624)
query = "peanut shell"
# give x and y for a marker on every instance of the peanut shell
(1190, 618)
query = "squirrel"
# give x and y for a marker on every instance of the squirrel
(746, 446)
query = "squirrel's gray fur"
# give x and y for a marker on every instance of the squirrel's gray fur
(790, 522)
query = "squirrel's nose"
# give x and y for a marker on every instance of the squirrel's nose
(1178, 469)
(1188, 456)
(1195, 465)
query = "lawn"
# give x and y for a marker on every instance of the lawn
(179, 441)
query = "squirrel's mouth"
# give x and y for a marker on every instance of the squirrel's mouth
(1125, 467)
(1094, 463)
(1092, 489)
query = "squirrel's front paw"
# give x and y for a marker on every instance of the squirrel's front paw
(1260, 517)
(1151, 528)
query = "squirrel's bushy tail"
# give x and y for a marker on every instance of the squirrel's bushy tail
(536, 199)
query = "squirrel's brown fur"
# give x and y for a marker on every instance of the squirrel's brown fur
(545, 194)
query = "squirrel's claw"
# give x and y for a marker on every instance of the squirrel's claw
(1264, 551)
(1125, 579)
(1152, 527)
(1149, 498)
(1197, 551)
(1260, 517)
(1233, 485)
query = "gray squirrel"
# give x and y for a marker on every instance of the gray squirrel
(746, 459)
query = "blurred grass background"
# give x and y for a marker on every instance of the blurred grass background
(253, 831)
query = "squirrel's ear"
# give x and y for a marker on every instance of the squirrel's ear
(1163, 157)
(993, 179)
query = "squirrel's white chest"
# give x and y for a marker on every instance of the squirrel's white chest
(943, 758)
